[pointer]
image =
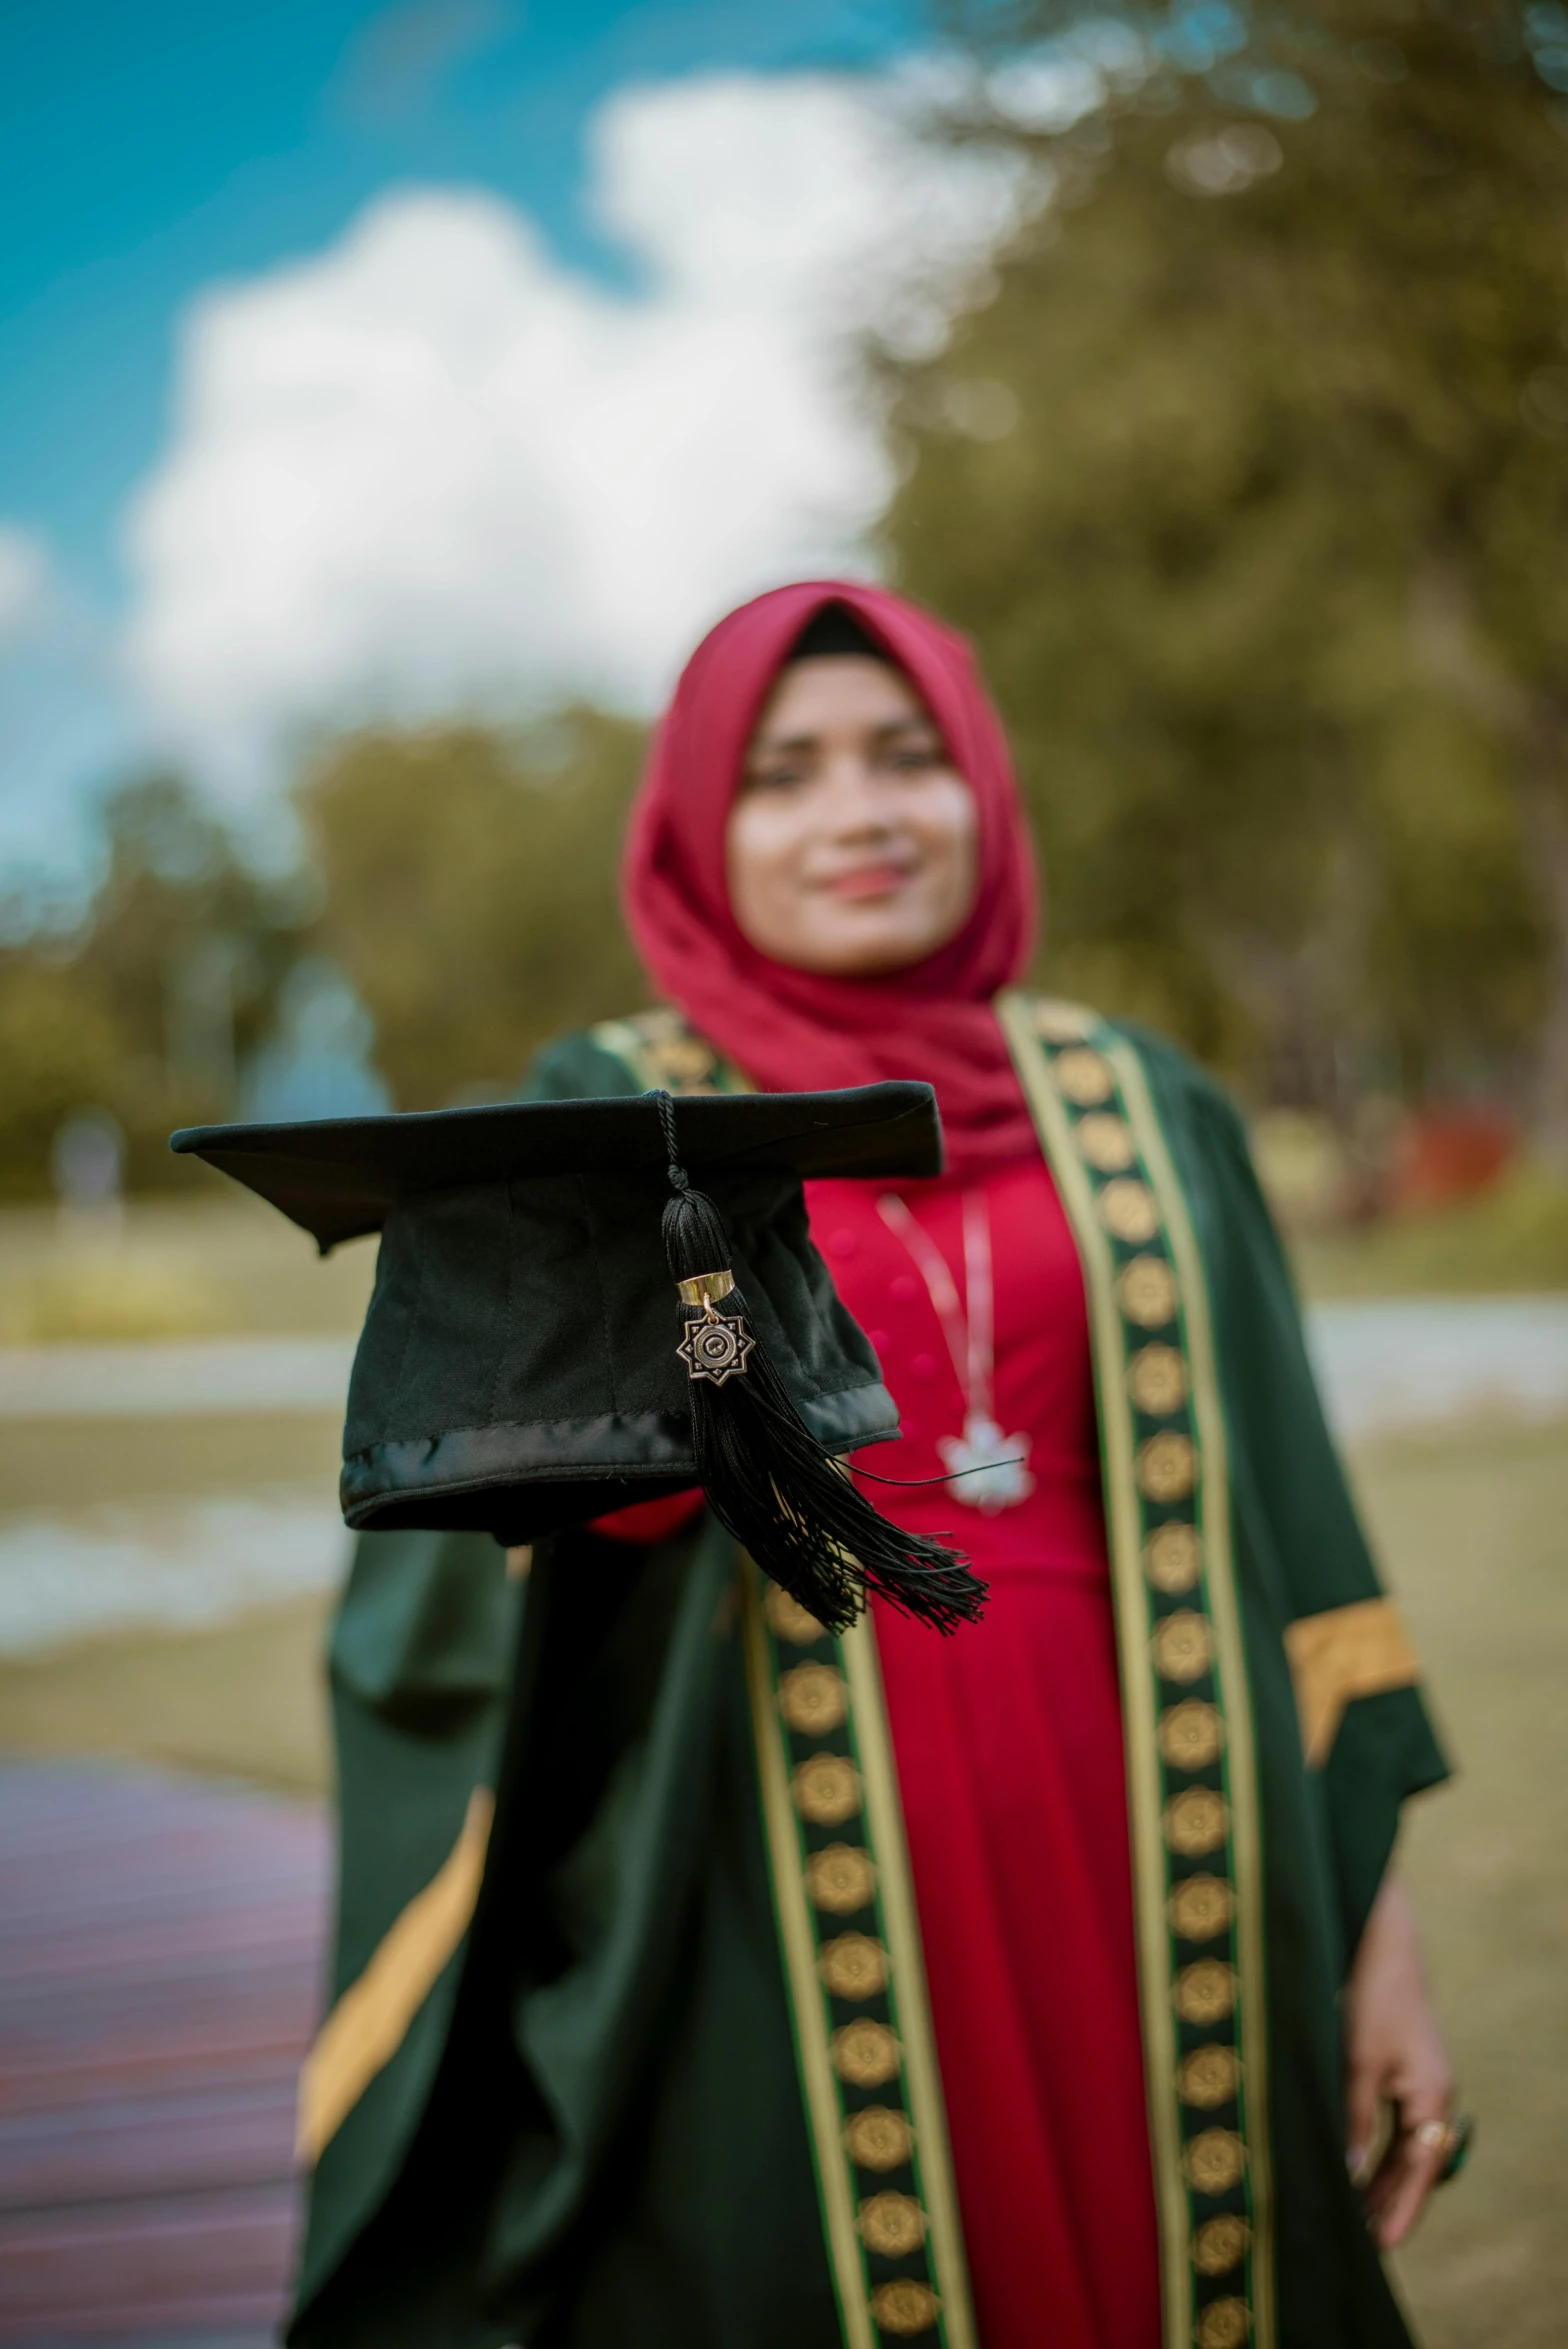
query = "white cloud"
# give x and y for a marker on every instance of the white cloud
(24, 579)
(430, 467)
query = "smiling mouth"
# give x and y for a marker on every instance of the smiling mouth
(884, 879)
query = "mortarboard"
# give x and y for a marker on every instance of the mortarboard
(524, 1364)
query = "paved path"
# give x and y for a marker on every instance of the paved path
(160, 1954)
(1385, 1362)
(180, 1560)
(149, 1380)
(1405, 1362)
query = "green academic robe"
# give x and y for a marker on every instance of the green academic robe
(597, 2074)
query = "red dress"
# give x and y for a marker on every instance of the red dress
(1009, 1745)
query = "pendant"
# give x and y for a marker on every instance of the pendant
(716, 1346)
(997, 1466)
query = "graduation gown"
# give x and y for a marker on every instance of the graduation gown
(602, 2070)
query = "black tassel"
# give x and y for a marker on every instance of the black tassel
(767, 1479)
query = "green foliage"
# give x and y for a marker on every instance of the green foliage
(1251, 481)
(148, 1007)
(59, 1049)
(183, 939)
(463, 878)
(470, 892)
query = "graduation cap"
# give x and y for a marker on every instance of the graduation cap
(562, 1323)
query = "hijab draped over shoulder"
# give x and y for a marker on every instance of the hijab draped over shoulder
(792, 1030)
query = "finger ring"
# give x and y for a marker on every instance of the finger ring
(1450, 2138)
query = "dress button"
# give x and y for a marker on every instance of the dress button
(903, 1290)
(842, 1243)
(922, 1365)
(879, 1340)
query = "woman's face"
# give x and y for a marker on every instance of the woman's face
(851, 846)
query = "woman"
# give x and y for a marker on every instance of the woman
(1046, 1982)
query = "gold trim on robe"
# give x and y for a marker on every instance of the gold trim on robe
(1187, 1724)
(830, 1795)
(369, 2021)
(853, 1971)
(665, 1055)
(1343, 1653)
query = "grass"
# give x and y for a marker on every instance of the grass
(243, 1700)
(206, 1264)
(1469, 1522)
(1514, 1237)
(1472, 1532)
(191, 1265)
(56, 1464)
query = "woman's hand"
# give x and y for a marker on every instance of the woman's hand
(1394, 2055)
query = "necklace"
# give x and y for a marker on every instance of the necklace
(985, 1469)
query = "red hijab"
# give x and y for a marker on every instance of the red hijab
(800, 1031)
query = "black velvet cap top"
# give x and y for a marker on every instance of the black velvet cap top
(518, 1369)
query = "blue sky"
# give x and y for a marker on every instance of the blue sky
(146, 151)
(151, 153)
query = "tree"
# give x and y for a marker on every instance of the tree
(148, 1005)
(59, 1052)
(184, 940)
(1251, 481)
(183, 948)
(470, 891)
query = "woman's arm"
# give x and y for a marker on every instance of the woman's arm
(1394, 2057)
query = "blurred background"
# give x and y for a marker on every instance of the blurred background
(389, 396)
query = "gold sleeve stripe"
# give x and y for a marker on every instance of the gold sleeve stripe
(366, 2027)
(1345, 1652)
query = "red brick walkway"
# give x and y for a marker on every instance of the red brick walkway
(160, 1955)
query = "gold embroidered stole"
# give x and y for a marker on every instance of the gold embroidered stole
(847, 1924)
(853, 1970)
(665, 1055)
(1187, 1721)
